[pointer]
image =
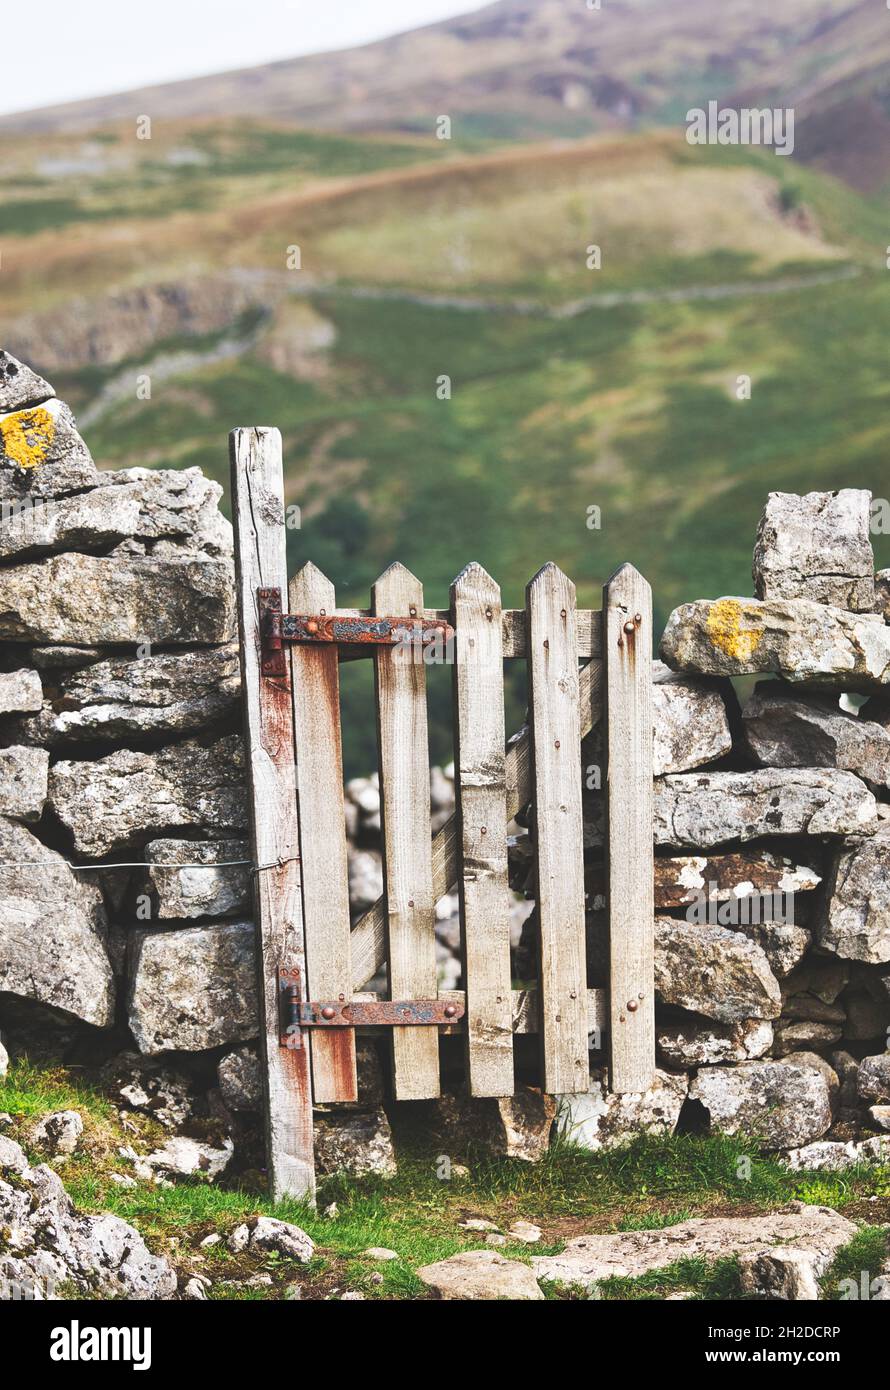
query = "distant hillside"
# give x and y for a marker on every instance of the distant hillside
(524, 68)
(570, 387)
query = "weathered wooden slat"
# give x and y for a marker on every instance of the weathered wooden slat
(258, 514)
(405, 808)
(369, 933)
(480, 766)
(589, 629)
(525, 1013)
(556, 738)
(326, 921)
(627, 626)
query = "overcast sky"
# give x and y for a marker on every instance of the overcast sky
(65, 49)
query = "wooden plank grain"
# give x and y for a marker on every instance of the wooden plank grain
(326, 920)
(525, 1011)
(258, 515)
(589, 629)
(627, 634)
(403, 752)
(481, 786)
(559, 832)
(369, 933)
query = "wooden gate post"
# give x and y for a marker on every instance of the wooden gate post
(258, 514)
(627, 651)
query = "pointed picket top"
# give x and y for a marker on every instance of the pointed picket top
(311, 590)
(627, 574)
(396, 589)
(627, 610)
(550, 576)
(474, 579)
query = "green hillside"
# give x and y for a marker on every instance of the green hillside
(464, 267)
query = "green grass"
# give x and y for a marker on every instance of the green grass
(858, 1265)
(652, 1183)
(28, 1090)
(697, 1279)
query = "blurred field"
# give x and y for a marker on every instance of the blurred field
(422, 259)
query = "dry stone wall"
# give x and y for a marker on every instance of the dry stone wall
(125, 916)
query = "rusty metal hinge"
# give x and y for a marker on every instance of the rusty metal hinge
(277, 627)
(298, 1013)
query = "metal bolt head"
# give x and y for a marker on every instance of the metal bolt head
(450, 1010)
(312, 625)
(629, 628)
(329, 1011)
(632, 1006)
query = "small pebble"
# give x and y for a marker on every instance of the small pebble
(525, 1231)
(478, 1223)
(238, 1239)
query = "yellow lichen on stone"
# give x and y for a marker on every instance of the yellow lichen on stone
(729, 631)
(26, 436)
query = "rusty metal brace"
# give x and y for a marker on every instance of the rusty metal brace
(298, 1013)
(342, 630)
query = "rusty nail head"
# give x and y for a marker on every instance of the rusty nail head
(329, 1011)
(556, 743)
(632, 1006)
(312, 625)
(563, 613)
(413, 610)
(638, 618)
(628, 628)
(450, 1011)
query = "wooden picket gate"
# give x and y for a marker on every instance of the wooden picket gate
(584, 666)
